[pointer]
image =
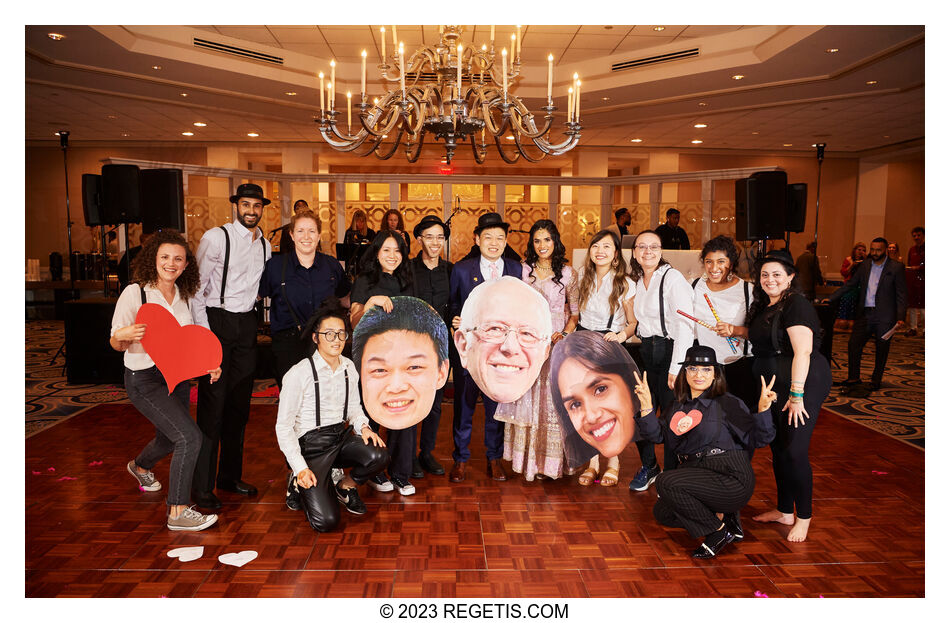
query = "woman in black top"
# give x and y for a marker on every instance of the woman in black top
(384, 273)
(709, 432)
(786, 335)
(392, 221)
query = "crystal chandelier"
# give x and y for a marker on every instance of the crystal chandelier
(457, 93)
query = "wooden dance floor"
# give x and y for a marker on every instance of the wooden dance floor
(99, 536)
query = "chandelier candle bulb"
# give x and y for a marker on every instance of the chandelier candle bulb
(332, 84)
(322, 108)
(570, 103)
(504, 71)
(402, 71)
(363, 79)
(460, 70)
(550, 76)
(349, 111)
(577, 102)
(492, 36)
(518, 48)
(382, 38)
(330, 105)
(394, 36)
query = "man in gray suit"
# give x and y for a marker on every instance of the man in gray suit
(881, 306)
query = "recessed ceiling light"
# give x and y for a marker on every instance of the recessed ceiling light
(695, 141)
(869, 82)
(187, 133)
(700, 125)
(606, 99)
(608, 27)
(55, 36)
(786, 144)
(831, 50)
(111, 117)
(702, 103)
(199, 124)
(183, 94)
(125, 134)
(253, 134)
(290, 92)
(636, 140)
(755, 132)
(659, 28)
(738, 77)
(156, 66)
(887, 136)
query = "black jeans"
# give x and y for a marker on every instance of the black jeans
(223, 408)
(657, 353)
(335, 446)
(175, 432)
(430, 425)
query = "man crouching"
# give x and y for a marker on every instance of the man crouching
(319, 402)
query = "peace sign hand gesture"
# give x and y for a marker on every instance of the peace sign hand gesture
(767, 397)
(643, 393)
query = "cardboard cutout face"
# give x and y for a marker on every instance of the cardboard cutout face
(504, 337)
(592, 384)
(402, 358)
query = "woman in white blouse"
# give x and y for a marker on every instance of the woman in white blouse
(164, 273)
(731, 297)
(605, 299)
(665, 335)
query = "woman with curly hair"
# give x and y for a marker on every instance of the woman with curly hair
(165, 273)
(786, 337)
(533, 437)
(605, 302)
(392, 221)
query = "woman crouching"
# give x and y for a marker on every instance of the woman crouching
(709, 431)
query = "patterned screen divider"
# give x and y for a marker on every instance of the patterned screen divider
(577, 224)
(723, 219)
(523, 216)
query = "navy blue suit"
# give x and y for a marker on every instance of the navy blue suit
(466, 274)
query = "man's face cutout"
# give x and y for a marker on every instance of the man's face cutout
(507, 340)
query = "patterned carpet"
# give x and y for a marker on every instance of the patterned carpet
(897, 409)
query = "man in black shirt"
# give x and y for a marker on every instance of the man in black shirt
(430, 279)
(672, 236)
(286, 242)
(622, 215)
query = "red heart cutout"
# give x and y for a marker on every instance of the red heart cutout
(682, 423)
(181, 353)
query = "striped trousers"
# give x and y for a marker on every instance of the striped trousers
(692, 494)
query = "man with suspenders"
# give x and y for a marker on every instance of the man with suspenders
(230, 259)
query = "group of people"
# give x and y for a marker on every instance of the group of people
(720, 367)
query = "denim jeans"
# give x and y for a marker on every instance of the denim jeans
(175, 432)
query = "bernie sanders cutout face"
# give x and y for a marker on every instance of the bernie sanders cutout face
(403, 359)
(504, 337)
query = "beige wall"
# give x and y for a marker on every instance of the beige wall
(46, 194)
(905, 202)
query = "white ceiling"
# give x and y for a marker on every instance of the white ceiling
(99, 84)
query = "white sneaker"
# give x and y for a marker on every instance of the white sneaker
(191, 520)
(146, 481)
(403, 486)
(380, 483)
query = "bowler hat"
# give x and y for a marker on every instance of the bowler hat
(779, 255)
(700, 356)
(428, 221)
(490, 219)
(249, 190)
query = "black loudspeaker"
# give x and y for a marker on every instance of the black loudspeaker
(120, 194)
(761, 206)
(796, 196)
(162, 199)
(92, 199)
(89, 357)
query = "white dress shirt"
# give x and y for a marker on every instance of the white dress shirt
(595, 315)
(135, 358)
(485, 267)
(245, 265)
(677, 295)
(730, 305)
(296, 410)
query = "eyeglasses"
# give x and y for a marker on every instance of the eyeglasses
(497, 333)
(698, 369)
(652, 247)
(332, 336)
(433, 238)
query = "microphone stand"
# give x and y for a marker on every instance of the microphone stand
(448, 223)
(64, 144)
(821, 157)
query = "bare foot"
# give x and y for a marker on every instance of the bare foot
(799, 531)
(786, 519)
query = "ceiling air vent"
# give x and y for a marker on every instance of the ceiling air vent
(236, 51)
(653, 60)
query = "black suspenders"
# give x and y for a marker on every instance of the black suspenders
(283, 291)
(316, 390)
(227, 259)
(662, 311)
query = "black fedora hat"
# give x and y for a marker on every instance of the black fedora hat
(779, 255)
(700, 356)
(490, 219)
(249, 190)
(428, 221)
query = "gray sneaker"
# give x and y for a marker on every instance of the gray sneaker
(191, 520)
(146, 481)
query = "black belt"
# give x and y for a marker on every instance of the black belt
(686, 458)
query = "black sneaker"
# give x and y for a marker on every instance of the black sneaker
(381, 483)
(417, 468)
(351, 500)
(293, 494)
(403, 486)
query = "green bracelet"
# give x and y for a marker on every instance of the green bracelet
(796, 394)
